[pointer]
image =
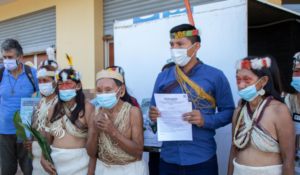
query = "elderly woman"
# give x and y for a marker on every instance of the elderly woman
(68, 122)
(292, 101)
(262, 128)
(116, 137)
(47, 86)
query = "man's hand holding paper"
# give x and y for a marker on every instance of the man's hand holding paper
(171, 126)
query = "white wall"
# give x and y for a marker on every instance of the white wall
(142, 49)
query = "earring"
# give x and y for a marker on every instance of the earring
(262, 92)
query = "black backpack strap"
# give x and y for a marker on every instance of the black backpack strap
(30, 76)
(1, 73)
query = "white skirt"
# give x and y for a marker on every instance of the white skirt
(134, 168)
(70, 161)
(265, 170)
(36, 161)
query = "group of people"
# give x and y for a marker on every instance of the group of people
(109, 140)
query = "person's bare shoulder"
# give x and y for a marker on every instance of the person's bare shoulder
(89, 106)
(279, 110)
(136, 114)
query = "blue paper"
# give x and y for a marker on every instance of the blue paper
(27, 110)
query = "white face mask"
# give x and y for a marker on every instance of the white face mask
(47, 88)
(180, 57)
(11, 64)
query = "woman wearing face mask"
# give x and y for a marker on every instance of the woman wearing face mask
(262, 128)
(116, 137)
(292, 100)
(68, 126)
(126, 98)
(48, 90)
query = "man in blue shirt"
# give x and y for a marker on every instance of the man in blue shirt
(14, 85)
(207, 89)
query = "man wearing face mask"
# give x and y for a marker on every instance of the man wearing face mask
(207, 88)
(15, 84)
(116, 137)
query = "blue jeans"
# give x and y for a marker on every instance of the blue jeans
(209, 167)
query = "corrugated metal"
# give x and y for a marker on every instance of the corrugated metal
(122, 10)
(35, 31)
(294, 7)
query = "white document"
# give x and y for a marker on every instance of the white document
(171, 126)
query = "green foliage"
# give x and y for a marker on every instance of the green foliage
(41, 141)
(20, 132)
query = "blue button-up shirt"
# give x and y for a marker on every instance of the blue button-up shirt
(203, 147)
(10, 104)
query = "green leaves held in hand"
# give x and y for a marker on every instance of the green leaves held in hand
(20, 132)
(41, 141)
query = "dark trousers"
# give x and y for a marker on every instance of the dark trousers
(209, 167)
(154, 158)
(11, 151)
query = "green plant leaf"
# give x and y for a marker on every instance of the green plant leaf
(41, 141)
(20, 132)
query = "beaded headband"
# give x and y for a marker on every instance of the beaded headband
(257, 63)
(109, 74)
(182, 34)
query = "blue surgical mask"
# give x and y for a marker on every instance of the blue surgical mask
(108, 101)
(67, 95)
(296, 83)
(249, 93)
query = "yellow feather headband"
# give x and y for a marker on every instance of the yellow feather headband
(70, 60)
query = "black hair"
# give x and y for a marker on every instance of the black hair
(126, 97)
(80, 100)
(10, 44)
(167, 66)
(184, 27)
(273, 86)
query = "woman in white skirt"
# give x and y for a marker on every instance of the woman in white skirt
(68, 121)
(262, 128)
(48, 93)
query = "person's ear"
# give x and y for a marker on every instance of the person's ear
(54, 84)
(20, 58)
(264, 80)
(79, 86)
(197, 46)
(122, 90)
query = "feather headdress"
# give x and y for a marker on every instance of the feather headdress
(69, 73)
(257, 63)
(296, 59)
(51, 61)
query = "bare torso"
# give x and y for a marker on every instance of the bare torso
(254, 157)
(69, 141)
(127, 134)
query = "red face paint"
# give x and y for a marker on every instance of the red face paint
(296, 73)
(245, 79)
(69, 84)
